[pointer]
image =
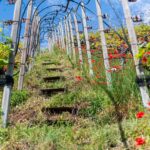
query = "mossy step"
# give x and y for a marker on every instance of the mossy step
(54, 78)
(46, 60)
(55, 69)
(58, 120)
(49, 92)
(50, 63)
(55, 116)
(59, 110)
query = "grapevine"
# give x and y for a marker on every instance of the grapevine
(5, 48)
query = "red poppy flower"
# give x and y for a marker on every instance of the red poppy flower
(92, 51)
(140, 141)
(116, 51)
(93, 61)
(109, 70)
(148, 103)
(140, 115)
(110, 56)
(78, 78)
(147, 53)
(117, 67)
(144, 59)
(80, 61)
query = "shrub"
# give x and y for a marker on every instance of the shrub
(18, 97)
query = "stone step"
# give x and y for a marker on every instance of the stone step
(50, 63)
(49, 92)
(54, 78)
(55, 69)
(59, 110)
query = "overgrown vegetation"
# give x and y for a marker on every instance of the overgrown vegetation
(19, 97)
(105, 118)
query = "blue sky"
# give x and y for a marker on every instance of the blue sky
(140, 7)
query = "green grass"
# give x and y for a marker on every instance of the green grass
(18, 97)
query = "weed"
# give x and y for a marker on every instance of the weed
(18, 97)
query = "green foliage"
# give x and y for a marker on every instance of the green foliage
(95, 106)
(5, 48)
(19, 97)
(3, 135)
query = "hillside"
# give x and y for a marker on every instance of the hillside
(85, 115)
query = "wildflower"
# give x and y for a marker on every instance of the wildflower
(110, 56)
(139, 141)
(147, 53)
(148, 103)
(144, 60)
(92, 51)
(80, 61)
(140, 115)
(93, 61)
(78, 78)
(116, 51)
(117, 67)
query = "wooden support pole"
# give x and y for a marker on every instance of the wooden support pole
(33, 33)
(32, 47)
(78, 40)
(49, 44)
(72, 37)
(8, 88)
(53, 41)
(62, 33)
(104, 44)
(32, 41)
(54, 38)
(134, 48)
(87, 39)
(38, 34)
(66, 37)
(25, 47)
(60, 37)
(57, 39)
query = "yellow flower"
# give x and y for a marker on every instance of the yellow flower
(1, 29)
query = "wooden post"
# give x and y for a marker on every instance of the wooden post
(66, 36)
(33, 32)
(32, 40)
(53, 41)
(60, 37)
(78, 40)
(56, 40)
(37, 32)
(8, 88)
(104, 44)
(87, 39)
(49, 44)
(25, 47)
(62, 33)
(57, 37)
(134, 48)
(72, 38)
